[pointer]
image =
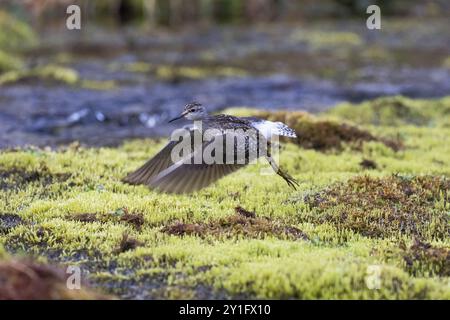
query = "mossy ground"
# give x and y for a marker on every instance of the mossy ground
(249, 235)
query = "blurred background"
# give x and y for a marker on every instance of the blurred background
(135, 63)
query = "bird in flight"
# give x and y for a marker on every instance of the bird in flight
(185, 166)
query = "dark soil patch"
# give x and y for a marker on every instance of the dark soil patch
(384, 207)
(156, 287)
(127, 243)
(121, 214)
(245, 213)
(28, 280)
(40, 240)
(368, 164)
(135, 286)
(9, 221)
(124, 215)
(135, 219)
(16, 178)
(324, 135)
(84, 217)
(422, 258)
(243, 224)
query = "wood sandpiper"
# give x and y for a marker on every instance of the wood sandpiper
(164, 173)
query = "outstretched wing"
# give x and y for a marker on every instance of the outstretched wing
(186, 178)
(188, 174)
(161, 161)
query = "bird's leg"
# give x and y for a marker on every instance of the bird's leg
(288, 178)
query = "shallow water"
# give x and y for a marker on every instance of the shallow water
(302, 67)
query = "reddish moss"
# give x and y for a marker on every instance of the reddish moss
(241, 224)
(135, 219)
(84, 217)
(382, 207)
(9, 221)
(180, 229)
(122, 214)
(28, 280)
(422, 258)
(323, 135)
(127, 243)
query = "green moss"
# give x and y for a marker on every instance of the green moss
(392, 111)
(119, 215)
(326, 39)
(9, 221)
(384, 207)
(70, 205)
(424, 259)
(16, 178)
(326, 273)
(175, 73)
(49, 73)
(318, 133)
(98, 85)
(14, 33)
(242, 224)
(9, 62)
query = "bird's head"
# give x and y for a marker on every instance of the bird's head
(192, 111)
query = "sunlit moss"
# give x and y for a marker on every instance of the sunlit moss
(326, 273)
(173, 72)
(14, 36)
(72, 207)
(9, 62)
(14, 33)
(379, 207)
(327, 39)
(98, 85)
(136, 67)
(54, 74)
(320, 133)
(446, 63)
(46, 73)
(63, 58)
(391, 111)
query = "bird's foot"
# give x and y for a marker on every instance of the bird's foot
(288, 178)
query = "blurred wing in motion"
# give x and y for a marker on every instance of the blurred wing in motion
(183, 176)
(161, 161)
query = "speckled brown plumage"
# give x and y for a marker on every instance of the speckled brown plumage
(185, 176)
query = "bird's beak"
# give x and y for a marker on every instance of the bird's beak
(179, 117)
